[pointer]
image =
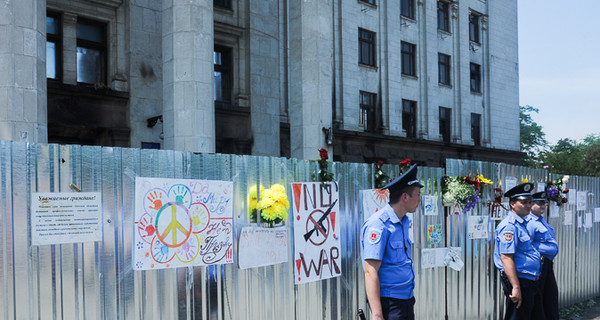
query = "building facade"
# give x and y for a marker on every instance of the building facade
(367, 79)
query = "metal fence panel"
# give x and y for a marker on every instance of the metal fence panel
(96, 280)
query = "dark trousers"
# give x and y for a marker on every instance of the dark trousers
(531, 302)
(398, 309)
(549, 290)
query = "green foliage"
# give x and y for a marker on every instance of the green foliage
(533, 139)
(568, 156)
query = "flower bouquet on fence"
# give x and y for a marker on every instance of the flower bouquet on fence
(271, 205)
(381, 178)
(555, 190)
(324, 176)
(463, 190)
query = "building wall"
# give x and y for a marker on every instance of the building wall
(271, 70)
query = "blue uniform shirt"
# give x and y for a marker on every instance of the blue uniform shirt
(512, 237)
(384, 237)
(544, 239)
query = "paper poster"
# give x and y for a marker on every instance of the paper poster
(373, 200)
(509, 183)
(430, 205)
(477, 227)
(554, 210)
(581, 200)
(579, 221)
(317, 251)
(596, 214)
(182, 222)
(572, 196)
(540, 187)
(259, 247)
(568, 218)
(441, 257)
(65, 217)
(588, 220)
(497, 212)
(435, 234)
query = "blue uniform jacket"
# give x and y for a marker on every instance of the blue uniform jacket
(512, 237)
(384, 237)
(544, 239)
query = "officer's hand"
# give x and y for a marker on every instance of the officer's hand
(515, 296)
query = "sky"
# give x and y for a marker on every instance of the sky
(559, 65)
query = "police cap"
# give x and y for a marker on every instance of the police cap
(520, 192)
(540, 197)
(408, 179)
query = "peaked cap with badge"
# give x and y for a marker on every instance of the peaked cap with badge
(520, 192)
(408, 179)
(540, 196)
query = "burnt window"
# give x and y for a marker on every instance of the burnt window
(443, 16)
(445, 121)
(222, 3)
(475, 78)
(91, 51)
(222, 74)
(368, 111)
(474, 27)
(407, 8)
(366, 47)
(53, 46)
(409, 118)
(476, 128)
(409, 59)
(444, 69)
(368, 1)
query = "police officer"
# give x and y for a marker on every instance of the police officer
(516, 258)
(544, 241)
(386, 251)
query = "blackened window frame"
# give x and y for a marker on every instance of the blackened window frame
(409, 58)
(366, 47)
(226, 71)
(445, 121)
(475, 72)
(225, 4)
(474, 27)
(409, 118)
(407, 9)
(368, 105)
(444, 69)
(57, 40)
(371, 2)
(476, 128)
(102, 47)
(443, 15)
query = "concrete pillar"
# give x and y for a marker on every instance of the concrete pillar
(264, 76)
(311, 53)
(69, 41)
(23, 112)
(188, 103)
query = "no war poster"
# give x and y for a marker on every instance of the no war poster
(317, 252)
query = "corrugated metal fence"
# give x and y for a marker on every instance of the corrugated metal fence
(96, 281)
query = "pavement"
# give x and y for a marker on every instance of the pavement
(588, 312)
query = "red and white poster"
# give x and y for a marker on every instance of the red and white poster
(317, 251)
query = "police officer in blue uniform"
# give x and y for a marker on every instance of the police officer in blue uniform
(387, 253)
(516, 258)
(544, 241)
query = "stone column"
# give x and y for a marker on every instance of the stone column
(188, 90)
(310, 63)
(23, 111)
(456, 75)
(69, 42)
(264, 76)
(486, 121)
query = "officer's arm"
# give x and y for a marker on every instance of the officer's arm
(510, 270)
(372, 286)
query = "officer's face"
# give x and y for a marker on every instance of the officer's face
(538, 207)
(413, 200)
(521, 207)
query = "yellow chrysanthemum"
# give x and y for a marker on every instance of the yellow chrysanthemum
(524, 180)
(252, 192)
(266, 199)
(482, 179)
(269, 214)
(251, 205)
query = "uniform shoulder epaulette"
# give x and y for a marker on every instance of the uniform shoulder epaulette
(384, 216)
